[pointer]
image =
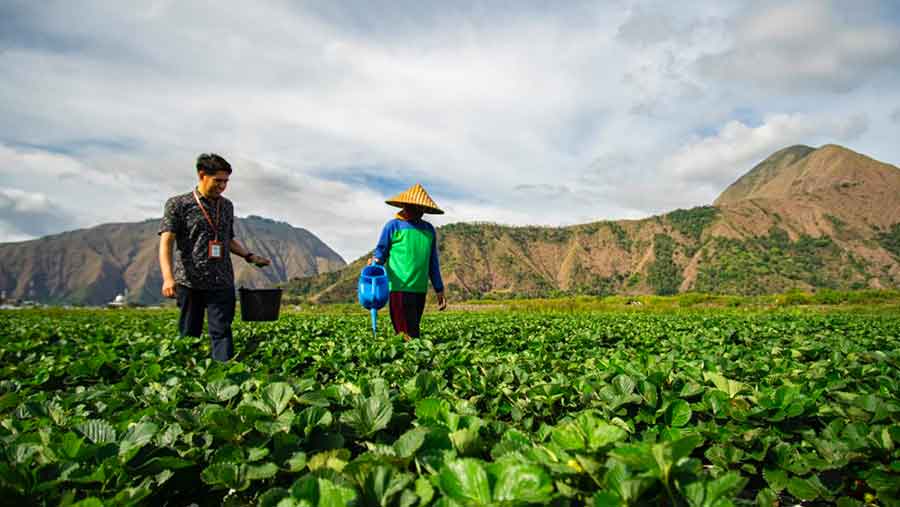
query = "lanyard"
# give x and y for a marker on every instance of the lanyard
(215, 226)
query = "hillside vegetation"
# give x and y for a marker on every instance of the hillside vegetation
(802, 219)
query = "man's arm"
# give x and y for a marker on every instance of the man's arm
(241, 251)
(166, 239)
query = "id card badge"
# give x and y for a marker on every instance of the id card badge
(215, 250)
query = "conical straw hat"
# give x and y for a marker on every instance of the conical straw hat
(418, 196)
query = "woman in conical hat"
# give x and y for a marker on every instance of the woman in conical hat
(408, 249)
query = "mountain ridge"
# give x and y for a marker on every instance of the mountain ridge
(93, 265)
(802, 218)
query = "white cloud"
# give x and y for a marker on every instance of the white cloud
(23, 202)
(26, 215)
(511, 113)
(737, 147)
(805, 45)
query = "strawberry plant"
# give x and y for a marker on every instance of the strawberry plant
(703, 408)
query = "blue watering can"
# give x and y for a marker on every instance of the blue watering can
(373, 291)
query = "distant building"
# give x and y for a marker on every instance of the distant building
(120, 301)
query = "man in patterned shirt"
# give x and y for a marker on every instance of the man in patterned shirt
(200, 224)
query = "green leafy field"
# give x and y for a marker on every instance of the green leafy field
(698, 408)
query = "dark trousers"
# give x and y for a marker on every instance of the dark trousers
(406, 312)
(219, 306)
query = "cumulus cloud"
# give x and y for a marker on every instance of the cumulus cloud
(805, 45)
(517, 113)
(26, 215)
(737, 147)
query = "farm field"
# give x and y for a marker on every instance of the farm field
(687, 408)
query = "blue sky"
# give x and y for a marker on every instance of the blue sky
(513, 112)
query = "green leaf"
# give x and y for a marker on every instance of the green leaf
(332, 495)
(222, 423)
(639, 457)
(432, 410)
(296, 462)
(602, 434)
(257, 453)
(714, 493)
(137, 436)
(170, 435)
(568, 436)
(466, 481)
(624, 384)
(730, 387)
(98, 431)
(410, 442)
(8, 400)
(306, 488)
(272, 497)
(133, 495)
(369, 415)
(776, 478)
(804, 489)
(71, 444)
(335, 459)
(767, 498)
(263, 471)
(160, 464)
(424, 384)
(586, 432)
(222, 390)
(607, 499)
(517, 482)
(281, 424)
(313, 417)
(678, 414)
(89, 502)
(883, 482)
(25, 452)
(627, 488)
(684, 446)
(466, 441)
(424, 490)
(277, 396)
(228, 475)
(382, 484)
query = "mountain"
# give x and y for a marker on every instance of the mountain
(91, 266)
(803, 218)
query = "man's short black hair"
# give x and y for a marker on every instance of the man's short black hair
(210, 163)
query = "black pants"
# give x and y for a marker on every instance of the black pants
(219, 306)
(406, 312)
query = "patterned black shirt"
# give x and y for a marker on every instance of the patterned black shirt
(193, 267)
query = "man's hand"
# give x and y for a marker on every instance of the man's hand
(441, 301)
(259, 261)
(166, 240)
(168, 288)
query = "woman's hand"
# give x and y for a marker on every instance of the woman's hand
(441, 301)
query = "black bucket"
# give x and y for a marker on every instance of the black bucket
(260, 304)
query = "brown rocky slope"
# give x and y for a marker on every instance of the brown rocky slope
(91, 266)
(803, 218)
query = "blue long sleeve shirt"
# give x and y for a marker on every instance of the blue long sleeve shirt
(408, 249)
